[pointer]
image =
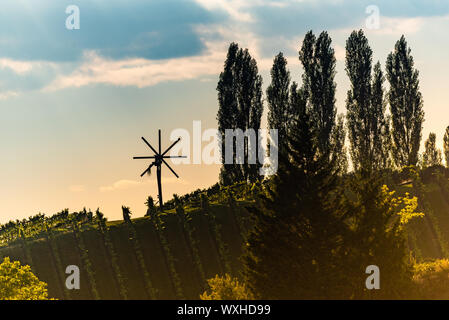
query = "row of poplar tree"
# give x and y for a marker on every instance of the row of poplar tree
(316, 230)
(377, 140)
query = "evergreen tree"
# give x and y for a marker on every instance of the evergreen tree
(367, 123)
(432, 155)
(318, 60)
(240, 107)
(406, 105)
(446, 146)
(292, 252)
(278, 97)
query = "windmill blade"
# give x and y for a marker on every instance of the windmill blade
(172, 157)
(171, 146)
(148, 157)
(170, 168)
(148, 170)
(148, 144)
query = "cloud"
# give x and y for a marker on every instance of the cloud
(96, 69)
(157, 29)
(143, 45)
(19, 67)
(234, 8)
(399, 26)
(8, 94)
(128, 184)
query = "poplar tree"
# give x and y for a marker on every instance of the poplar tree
(227, 112)
(406, 105)
(278, 98)
(432, 155)
(240, 107)
(446, 146)
(367, 124)
(318, 60)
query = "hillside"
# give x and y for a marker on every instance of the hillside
(176, 254)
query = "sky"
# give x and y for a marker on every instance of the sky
(74, 102)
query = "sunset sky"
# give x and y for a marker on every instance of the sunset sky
(74, 103)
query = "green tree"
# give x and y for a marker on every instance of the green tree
(226, 288)
(292, 252)
(318, 60)
(367, 123)
(406, 105)
(240, 107)
(446, 146)
(278, 97)
(432, 155)
(376, 237)
(19, 283)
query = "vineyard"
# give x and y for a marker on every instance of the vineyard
(166, 256)
(171, 255)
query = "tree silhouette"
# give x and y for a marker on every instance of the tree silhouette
(406, 105)
(446, 146)
(432, 155)
(367, 124)
(318, 60)
(278, 98)
(240, 107)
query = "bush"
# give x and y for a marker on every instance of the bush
(432, 279)
(19, 283)
(226, 288)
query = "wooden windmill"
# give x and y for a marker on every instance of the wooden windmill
(159, 159)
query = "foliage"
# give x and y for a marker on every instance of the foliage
(84, 254)
(151, 208)
(432, 279)
(376, 236)
(112, 254)
(278, 98)
(292, 252)
(318, 59)
(432, 155)
(367, 124)
(133, 236)
(406, 105)
(126, 214)
(226, 288)
(192, 244)
(215, 229)
(19, 283)
(240, 107)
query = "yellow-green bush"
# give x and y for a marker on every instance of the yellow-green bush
(432, 279)
(226, 288)
(19, 283)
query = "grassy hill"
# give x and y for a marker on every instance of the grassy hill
(172, 257)
(169, 261)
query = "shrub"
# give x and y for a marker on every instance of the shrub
(19, 283)
(226, 288)
(432, 279)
